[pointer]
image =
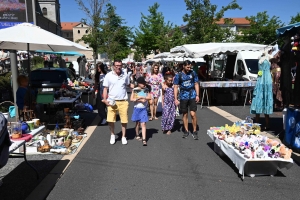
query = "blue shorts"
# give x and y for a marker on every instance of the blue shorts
(139, 115)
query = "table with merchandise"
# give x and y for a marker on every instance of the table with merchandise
(21, 143)
(252, 153)
(248, 85)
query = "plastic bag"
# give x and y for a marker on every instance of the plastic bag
(12, 111)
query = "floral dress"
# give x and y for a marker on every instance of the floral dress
(155, 82)
(168, 110)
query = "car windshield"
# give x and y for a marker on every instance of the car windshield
(52, 76)
(252, 65)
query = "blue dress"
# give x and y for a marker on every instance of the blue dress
(262, 102)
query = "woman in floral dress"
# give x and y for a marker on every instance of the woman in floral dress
(168, 105)
(155, 80)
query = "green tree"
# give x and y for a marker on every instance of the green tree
(295, 19)
(93, 10)
(152, 33)
(115, 36)
(202, 21)
(262, 29)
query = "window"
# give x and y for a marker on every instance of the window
(240, 68)
(78, 31)
(67, 34)
(86, 31)
(81, 25)
(44, 10)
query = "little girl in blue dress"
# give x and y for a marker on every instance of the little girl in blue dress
(140, 97)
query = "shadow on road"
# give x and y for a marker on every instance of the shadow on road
(21, 181)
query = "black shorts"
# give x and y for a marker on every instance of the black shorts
(186, 104)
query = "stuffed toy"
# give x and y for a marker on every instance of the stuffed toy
(295, 43)
(285, 152)
(248, 153)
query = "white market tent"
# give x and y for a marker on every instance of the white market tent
(162, 55)
(200, 50)
(127, 60)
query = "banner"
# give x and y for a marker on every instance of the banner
(13, 12)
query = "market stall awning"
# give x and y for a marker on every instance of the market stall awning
(69, 53)
(281, 31)
(200, 50)
(162, 55)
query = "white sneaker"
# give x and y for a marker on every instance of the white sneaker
(124, 141)
(103, 121)
(113, 139)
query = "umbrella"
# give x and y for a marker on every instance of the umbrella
(17, 37)
(27, 36)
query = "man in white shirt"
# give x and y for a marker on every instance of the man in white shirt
(115, 97)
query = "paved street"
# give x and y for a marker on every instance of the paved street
(168, 168)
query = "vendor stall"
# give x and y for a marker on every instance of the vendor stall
(241, 62)
(252, 153)
(248, 85)
(289, 82)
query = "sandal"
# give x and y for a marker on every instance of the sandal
(144, 142)
(169, 133)
(155, 117)
(150, 119)
(138, 137)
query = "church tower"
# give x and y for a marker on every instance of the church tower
(50, 9)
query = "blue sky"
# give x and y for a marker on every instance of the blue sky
(173, 10)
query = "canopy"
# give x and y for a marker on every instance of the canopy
(17, 37)
(281, 31)
(127, 60)
(69, 53)
(200, 50)
(162, 55)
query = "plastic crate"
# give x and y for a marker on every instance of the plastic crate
(45, 98)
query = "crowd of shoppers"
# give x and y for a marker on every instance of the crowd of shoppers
(177, 87)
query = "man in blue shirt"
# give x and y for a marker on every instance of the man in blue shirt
(187, 82)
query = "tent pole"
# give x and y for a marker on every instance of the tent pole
(14, 73)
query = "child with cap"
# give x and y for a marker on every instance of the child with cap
(140, 96)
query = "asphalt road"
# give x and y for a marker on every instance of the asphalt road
(170, 167)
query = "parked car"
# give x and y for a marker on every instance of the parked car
(50, 77)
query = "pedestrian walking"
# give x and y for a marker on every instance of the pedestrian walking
(155, 80)
(116, 98)
(99, 78)
(187, 82)
(168, 105)
(140, 97)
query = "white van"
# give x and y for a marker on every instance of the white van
(236, 66)
(246, 65)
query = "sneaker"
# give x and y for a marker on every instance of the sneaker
(103, 121)
(124, 141)
(185, 134)
(195, 135)
(112, 139)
